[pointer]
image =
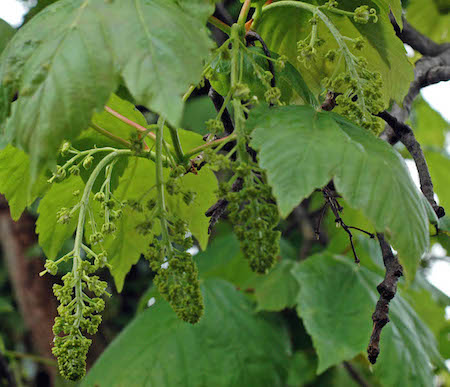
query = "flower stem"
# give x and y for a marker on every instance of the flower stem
(244, 13)
(77, 260)
(211, 144)
(110, 135)
(160, 188)
(225, 28)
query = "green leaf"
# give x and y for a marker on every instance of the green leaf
(230, 346)
(283, 27)
(61, 67)
(430, 19)
(336, 301)
(52, 235)
(302, 150)
(67, 60)
(125, 247)
(444, 232)
(160, 49)
(198, 8)
(198, 110)
(278, 289)
(114, 125)
(223, 259)
(204, 185)
(439, 166)
(302, 368)
(14, 180)
(6, 33)
(430, 128)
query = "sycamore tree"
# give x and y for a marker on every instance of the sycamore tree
(251, 155)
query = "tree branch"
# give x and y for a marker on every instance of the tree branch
(416, 40)
(387, 290)
(405, 134)
(428, 71)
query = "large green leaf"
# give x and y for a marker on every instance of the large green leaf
(52, 235)
(336, 301)
(14, 180)
(67, 60)
(63, 70)
(230, 346)
(160, 49)
(302, 150)
(283, 27)
(278, 289)
(6, 33)
(223, 259)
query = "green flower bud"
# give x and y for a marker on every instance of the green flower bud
(74, 170)
(99, 197)
(87, 162)
(51, 267)
(362, 14)
(109, 228)
(63, 216)
(65, 148)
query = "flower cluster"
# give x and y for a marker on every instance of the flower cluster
(177, 275)
(78, 312)
(254, 215)
(359, 99)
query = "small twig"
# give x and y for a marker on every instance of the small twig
(372, 236)
(354, 374)
(429, 70)
(323, 210)
(331, 199)
(387, 290)
(406, 136)
(251, 37)
(216, 211)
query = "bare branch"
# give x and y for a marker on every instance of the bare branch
(405, 134)
(387, 290)
(429, 70)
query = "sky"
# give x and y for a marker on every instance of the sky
(437, 96)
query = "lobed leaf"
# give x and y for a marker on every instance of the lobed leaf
(14, 180)
(336, 300)
(67, 60)
(302, 150)
(230, 346)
